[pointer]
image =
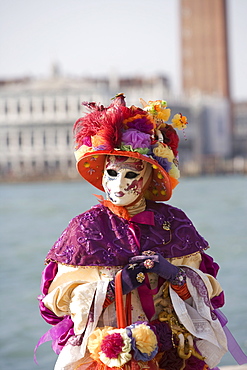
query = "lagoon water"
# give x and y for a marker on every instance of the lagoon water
(33, 215)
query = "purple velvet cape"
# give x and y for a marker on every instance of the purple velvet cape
(98, 237)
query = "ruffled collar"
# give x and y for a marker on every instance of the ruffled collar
(128, 213)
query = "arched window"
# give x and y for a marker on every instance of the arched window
(68, 138)
(20, 139)
(55, 138)
(7, 139)
(44, 139)
(32, 138)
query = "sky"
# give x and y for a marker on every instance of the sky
(99, 37)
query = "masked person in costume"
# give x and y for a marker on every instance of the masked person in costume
(128, 284)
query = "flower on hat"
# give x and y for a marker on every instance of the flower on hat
(97, 140)
(163, 162)
(163, 151)
(179, 121)
(170, 137)
(135, 140)
(163, 155)
(142, 133)
(174, 171)
(138, 119)
(158, 109)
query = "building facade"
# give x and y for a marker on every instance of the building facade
(240, 129)
(35, 131)
(37, 117)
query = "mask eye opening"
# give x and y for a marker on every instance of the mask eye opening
(131, 175)
(112, 173)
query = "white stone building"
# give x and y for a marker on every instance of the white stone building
(36, 132)
(37, 117)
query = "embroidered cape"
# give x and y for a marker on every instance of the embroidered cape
(98, 237)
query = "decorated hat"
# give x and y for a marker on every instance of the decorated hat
(141, 133)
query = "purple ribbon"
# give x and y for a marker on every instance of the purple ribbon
(54, 334)
(232, 344)
(145, 217)
(146, 296)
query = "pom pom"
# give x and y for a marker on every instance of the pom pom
(112, 345)
(136, 139)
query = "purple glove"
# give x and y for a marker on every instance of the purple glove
(132, 277)
(158, 264)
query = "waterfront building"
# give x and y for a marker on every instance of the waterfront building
(37, 116)
(240, 136)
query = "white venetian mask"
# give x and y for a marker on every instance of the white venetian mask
(124, 179)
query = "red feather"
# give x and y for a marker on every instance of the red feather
(88, 125)
(113, 127)
(105, 122)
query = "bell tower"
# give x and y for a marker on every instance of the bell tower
(204, 47)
